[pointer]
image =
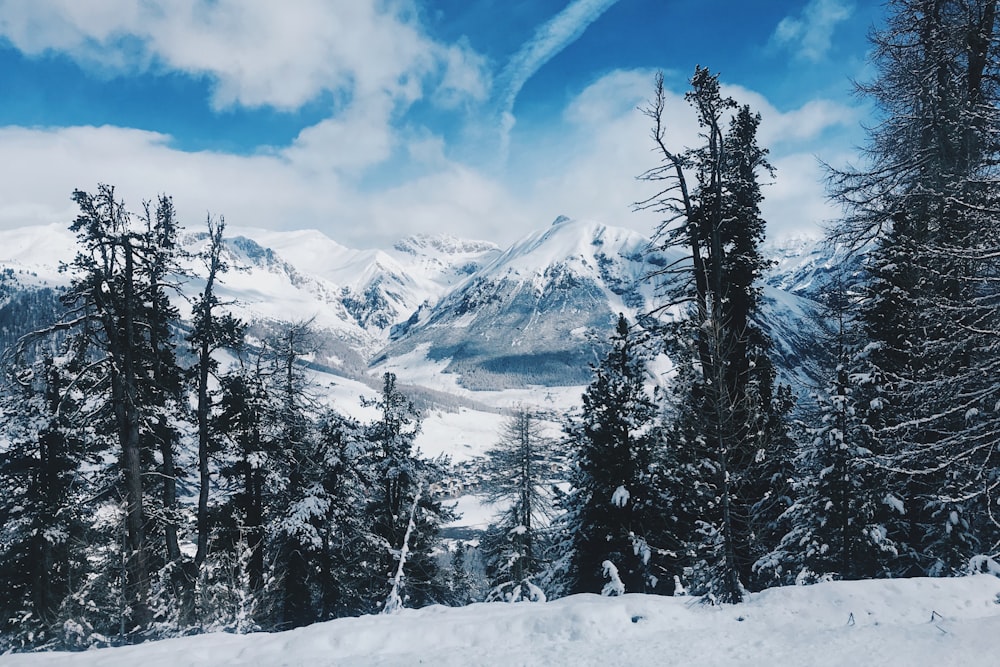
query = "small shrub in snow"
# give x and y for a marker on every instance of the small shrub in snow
(983, 564)
(614, 585)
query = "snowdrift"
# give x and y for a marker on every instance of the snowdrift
(889, 622)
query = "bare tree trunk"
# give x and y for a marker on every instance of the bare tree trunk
(205, 346)
(126, 408)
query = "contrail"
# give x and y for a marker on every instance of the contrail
(549, 39)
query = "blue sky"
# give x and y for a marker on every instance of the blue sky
(374, 119)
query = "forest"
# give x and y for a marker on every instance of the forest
(166, 476)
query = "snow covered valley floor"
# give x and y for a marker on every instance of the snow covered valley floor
(939, 622)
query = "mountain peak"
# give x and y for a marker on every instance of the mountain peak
(561, 219)
(420, 244)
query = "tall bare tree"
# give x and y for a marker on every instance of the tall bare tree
(710, 196)
(924, 209)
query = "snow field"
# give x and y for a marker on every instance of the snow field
(912, 622)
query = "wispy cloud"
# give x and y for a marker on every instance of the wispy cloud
(810, 34)
(549, 39)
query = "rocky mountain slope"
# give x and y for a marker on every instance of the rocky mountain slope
(538, 313)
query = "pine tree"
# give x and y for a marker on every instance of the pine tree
(334, 502)
(209, 332)
(837, 526)
(733, 419)
(291, 430)
(398, 475)
(517, 476)
(465, 584)
(106, 292)
(127, 384)
(163, 400)
(613, 510)
(117, 300)
(923, 212)
(43, 523)
(240, 520)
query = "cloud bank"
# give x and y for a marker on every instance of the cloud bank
(588, 170)
(367, 174)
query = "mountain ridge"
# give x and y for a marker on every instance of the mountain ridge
(535, 313)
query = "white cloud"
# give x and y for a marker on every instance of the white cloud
(42, 168)
(611, 96)
(455, 199)
(806, 123)
(607, 144)
(795, 203)
(281, 189)
(465, 77)
(358, 138)
(257, 52)
(810, 34)
(372, 56)
(585, 167)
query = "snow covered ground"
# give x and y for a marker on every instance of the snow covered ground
(913, 622)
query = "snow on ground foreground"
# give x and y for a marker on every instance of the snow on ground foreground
(909, 622)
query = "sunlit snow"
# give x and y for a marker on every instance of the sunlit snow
(909, 622)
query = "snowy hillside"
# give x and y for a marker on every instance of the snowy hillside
(540, 313)
(805, 265)
(353, 296)
(907, 622)
(527, 316)
(380, 288)
(34, 253)
(452, 314)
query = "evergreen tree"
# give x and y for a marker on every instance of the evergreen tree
(106, 292)
(117, 301)
(240, 520)
(332, 504)
(124, 384)
(613, 510)
(398, 476)
(923, 212)
(209, 332)
(42, 561)
(732, 421)
(290, 412)
(837, 525)
(163, 401)
(465, 584)
(266, 410)
(517, 475)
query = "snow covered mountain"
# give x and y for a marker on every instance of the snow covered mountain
(529, 316)
(806, 266)
(542, 310)
(379, 288)
(458, 315)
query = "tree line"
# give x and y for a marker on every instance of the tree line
(146, 496)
